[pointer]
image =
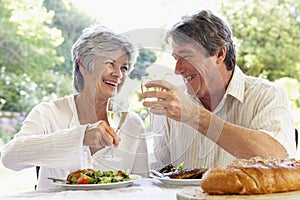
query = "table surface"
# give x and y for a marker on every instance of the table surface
(143, 189)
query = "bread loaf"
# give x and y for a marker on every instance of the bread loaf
(253, 176)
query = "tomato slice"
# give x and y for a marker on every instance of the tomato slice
(119, 174)
(83, 180)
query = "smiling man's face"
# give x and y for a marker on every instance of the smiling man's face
(197, 69)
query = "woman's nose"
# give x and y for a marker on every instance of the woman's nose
(117, 72)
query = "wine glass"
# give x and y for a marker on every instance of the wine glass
(144, 80)
(146, 115)
(170, 77)
(117, 111)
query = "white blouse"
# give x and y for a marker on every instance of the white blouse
(51, 137)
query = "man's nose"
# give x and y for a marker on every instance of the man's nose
(179, 67)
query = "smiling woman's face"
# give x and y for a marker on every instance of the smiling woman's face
(110, 72)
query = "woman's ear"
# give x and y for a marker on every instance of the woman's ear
(81, 68)
(221, 55)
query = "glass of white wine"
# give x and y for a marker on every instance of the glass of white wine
(146, 115)
(144, 80)
(117, 111)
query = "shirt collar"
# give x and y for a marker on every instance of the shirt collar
(236, 86)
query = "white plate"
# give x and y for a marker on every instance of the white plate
(178, 182)
(105, 186)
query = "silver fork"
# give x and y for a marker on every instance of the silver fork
(58, 180)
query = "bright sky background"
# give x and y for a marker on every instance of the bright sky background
(139, 15)
(122, 16)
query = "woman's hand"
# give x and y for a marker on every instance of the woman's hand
(172, 101)
(101, 136)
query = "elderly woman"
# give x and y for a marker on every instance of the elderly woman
(71, 133)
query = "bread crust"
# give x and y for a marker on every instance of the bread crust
(254, 176)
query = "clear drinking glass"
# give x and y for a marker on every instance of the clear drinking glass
(117, 111)
(146, 115)
(144, 80)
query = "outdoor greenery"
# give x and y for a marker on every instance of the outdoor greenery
(145, 59)
(28, 55)
(36, 38)
(267, 36)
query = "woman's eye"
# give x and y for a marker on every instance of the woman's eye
(124, 68)
(109, 63)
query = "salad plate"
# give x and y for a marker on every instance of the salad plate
(104, 186)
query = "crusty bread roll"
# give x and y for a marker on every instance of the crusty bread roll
(253, 176)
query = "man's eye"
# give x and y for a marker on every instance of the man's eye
(186, 57)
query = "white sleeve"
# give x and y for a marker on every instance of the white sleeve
(62, 149)
(45, 140)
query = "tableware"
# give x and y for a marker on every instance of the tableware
(144, 80)
(58, 180)
(145, 112)
(117, 111)
(158, 174)
(177, 182)
(105, 186)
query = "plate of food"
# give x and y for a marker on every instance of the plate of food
(178, 176)
(178, 182)
(89, 179)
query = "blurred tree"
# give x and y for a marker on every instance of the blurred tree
(71, 22)
(27, 54)
(27, 44)
(267, 34)
(145, 59)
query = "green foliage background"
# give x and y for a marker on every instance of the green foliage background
(267, 36)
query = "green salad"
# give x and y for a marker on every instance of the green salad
(101, 177)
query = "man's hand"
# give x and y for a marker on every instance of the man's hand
(172, 102)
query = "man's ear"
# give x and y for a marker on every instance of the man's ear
(81, 68)
(221, 55)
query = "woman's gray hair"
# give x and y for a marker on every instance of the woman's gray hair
(95, 41)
